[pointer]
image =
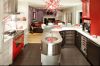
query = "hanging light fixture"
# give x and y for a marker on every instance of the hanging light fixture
(52, 5)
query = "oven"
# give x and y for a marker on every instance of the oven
(18, 40)
(18, 44)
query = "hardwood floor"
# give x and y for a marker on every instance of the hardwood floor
(31, 55)
(34, 38)
(72, 56)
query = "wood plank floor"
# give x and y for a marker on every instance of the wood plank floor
(72, 56)
(31, 55)
(34, 38)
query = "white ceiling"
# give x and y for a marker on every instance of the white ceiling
(63, 3)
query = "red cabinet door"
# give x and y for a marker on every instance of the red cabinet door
(18, 44)
(86, 9)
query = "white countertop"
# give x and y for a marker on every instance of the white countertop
(78, 29)
(96, 40)
(52, 34)
(7, 38)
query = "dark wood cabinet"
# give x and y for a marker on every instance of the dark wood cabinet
(93, 53)
(84, 45)
(81, 43)
(62, 33)
(69, 38)
(89, 49)
(78, 40)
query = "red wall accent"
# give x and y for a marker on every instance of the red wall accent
(95, 16)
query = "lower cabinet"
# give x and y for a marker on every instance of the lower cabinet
(84, 45)
(62, 33)
(93, 53)
(89, 49)
(78, 40)
(6, 54)
(18, 44)
(69, 37)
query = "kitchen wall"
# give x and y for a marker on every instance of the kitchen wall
(31, 16)
(1, 25)
(23, 9)
(1, 30)
(9, 23)
(95, 17)
(72, 14)
(59, 15)
(78, 10)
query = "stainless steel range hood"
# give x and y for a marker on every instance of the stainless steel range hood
(13, 7)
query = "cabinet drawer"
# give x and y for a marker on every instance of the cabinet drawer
(70, 32)
(69, 39)
(69, 42)
(72, 35)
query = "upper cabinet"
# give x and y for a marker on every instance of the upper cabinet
(86, 9)
(10, 6)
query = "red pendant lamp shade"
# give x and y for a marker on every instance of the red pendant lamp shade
(52, 4)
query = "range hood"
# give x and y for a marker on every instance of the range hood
(12, 7)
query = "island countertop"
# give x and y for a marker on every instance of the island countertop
(54, 34)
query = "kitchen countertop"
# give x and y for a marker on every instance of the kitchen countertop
(49, 33)
(78, 29)
(13, 36)
(7, 38)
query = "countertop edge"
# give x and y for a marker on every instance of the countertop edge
(97, 41)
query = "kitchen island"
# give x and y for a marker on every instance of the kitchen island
(51, 47)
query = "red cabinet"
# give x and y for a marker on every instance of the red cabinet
(18, 44)
(86, 9)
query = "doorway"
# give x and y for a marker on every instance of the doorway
(80, 17)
